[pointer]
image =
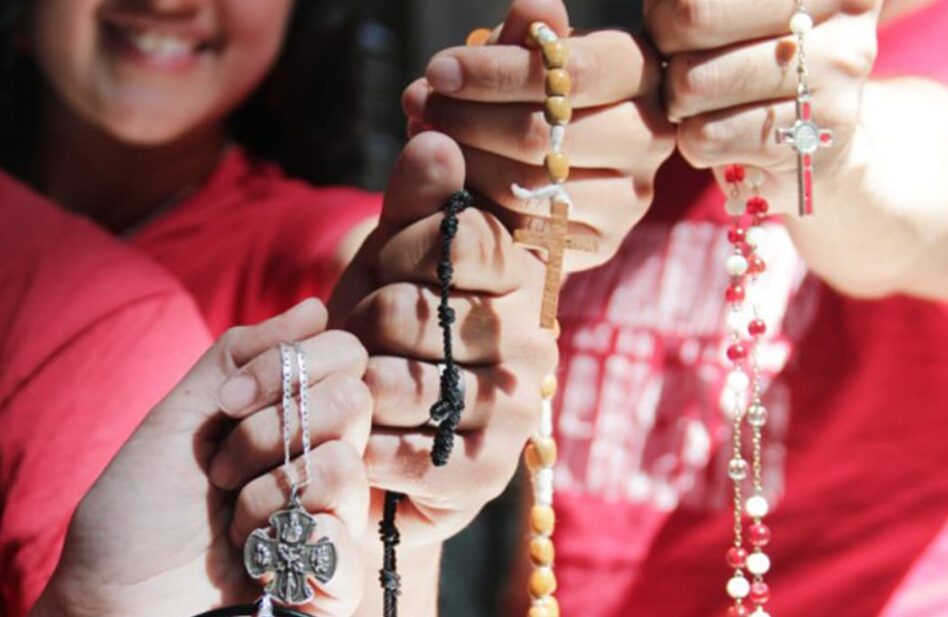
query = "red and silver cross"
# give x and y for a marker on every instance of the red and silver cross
(806, 138)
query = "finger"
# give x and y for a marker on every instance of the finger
(337, 486)
(404, 391)
(523, 13)
(483, 255)
(482, 464)
(605, 66)
(747, 134)
(602, 137)
(699, 82)
(259, 382)
(235, 348)
(401, 319)
(428, 171)
(341, 410)
(688, 25)
(601, 197)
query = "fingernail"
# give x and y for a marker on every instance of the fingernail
(237, 393)
(444, 75)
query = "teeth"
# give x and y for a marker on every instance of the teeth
(162, 46)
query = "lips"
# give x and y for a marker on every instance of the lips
(163, 41)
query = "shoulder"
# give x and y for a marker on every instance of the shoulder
(63, 277)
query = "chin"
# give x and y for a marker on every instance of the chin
(148, 127)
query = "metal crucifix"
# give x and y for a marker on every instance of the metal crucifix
(289, 557)
(555, 239)
(806, 138)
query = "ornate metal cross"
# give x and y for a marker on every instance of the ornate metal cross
(289, 557)
(554, 239)
(806, 138)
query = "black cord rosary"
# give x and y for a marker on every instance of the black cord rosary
(445, 413)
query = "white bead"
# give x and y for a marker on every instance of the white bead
(755, 236)
(736, 265)
(735, 206)
(757, 506)
(758, 563)
(801, 22)
(754, 177)
(737, 469)
(738, 587)
(737, 380)
(736, 321)
(543, 487)
(760, 612)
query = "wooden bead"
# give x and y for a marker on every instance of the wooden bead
(542, 520)
(542, 551)
(558, 110)
(555, 54)
(557, 166)
(539, 611)
(478, 37)
(542, 582)
(552, 605)
(548, 386)
(545, 451)
(558, 83)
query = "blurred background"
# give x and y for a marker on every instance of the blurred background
(396, 39)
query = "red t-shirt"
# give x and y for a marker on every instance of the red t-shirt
(855, 448)
(94, 330)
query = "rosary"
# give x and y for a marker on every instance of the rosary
(744, 266)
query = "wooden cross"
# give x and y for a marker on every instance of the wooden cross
(555, 239)
(289, 557)
(806, 138)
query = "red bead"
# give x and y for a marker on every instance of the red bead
(734, 293)
(736, 556)
(736, 235)
(738, 610)
(759, 534)
(756, 265)
(736, 352)
(757, 205)
(734, 174)
(756, 327)
(759, 593)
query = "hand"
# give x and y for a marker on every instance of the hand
(161, 531)
(489, 99)
(388, 297)
(731, 81)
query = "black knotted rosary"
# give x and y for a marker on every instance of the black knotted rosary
(445, 413)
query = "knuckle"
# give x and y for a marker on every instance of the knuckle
(688, 81)
(350, 394)
(856, 59)
(394, 309)
(686, 19)
(350, 344)
(345, 465)
(698, 140)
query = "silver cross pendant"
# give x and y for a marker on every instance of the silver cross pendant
(806, 138)
(288, 556)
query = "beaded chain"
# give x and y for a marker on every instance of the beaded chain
(746, 327)
(540, 454)
(445, 414)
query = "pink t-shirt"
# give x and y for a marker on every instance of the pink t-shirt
(856, 447)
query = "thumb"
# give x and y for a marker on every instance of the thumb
(523, 13)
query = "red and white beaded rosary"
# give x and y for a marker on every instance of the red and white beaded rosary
(746, 327)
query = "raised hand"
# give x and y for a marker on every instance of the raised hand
(731, 82)
(161, 532)
(489, 99)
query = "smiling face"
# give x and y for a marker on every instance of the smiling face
(150, 71)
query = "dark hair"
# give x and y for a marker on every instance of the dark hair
(304, 116)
